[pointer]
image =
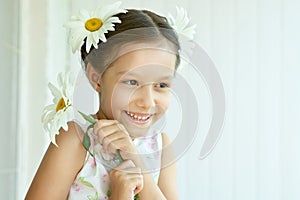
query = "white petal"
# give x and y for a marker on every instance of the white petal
(52, 137)
(64, 81)
(101, 36)
(84, 15)
(88, 43)
(181, 23)
(69, 94)
(48, 110)
(48, 121)
(110, 10)
(95, 39)
(63, 122)
(55, 92)
(53, 132)
(76, 38)
(190, 32)
(112, 20)
(60, 79)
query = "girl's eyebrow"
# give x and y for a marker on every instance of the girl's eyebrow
(122, 72)
(167, 77)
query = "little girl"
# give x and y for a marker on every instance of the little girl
(129, 58)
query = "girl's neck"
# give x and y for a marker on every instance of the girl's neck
(100, 114)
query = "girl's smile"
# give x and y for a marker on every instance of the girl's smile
(140, 119)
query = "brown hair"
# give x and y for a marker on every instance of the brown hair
(136, 25)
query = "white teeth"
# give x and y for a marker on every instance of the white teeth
(137, 117)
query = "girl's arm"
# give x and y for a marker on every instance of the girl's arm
(59, 166)
(167, 183)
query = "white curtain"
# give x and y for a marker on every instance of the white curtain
(255, 46)
(9, 53)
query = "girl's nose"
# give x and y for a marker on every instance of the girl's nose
(144, 97)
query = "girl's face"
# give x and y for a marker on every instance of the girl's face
(135, 89)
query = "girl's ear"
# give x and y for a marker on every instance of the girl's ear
(94, 77)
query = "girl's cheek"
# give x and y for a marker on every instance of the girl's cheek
(164, 102)
(120, 99)
(123, 93)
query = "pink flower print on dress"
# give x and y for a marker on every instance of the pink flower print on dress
(151, 143)
(92, 162)
(104, 178)
(78, 187)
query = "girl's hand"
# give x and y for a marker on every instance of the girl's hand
(126, 180)
(113, 136)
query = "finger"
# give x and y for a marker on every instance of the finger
(125, 164)
(126, 147)
(122, 127)
(109, 130)
(139, 183)
(113, 138)
(132, 172)
(105, 131)
(107, 122)
(103, 123)
(111, 142)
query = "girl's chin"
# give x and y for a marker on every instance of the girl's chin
(135, 132)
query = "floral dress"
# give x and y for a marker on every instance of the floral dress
(92, 182)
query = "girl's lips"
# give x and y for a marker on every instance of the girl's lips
(139, 118)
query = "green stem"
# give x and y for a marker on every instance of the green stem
(119, 155)
(87, 140)
(88, 118)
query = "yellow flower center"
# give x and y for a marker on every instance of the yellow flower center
(93, 24)
(60, 105)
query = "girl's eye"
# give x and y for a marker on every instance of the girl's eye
(131, 82)
(162, 85)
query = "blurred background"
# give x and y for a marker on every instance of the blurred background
(255, 45)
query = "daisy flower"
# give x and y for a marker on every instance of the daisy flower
(61, 111)
(57, 115)
(93, 26)
(181, 23)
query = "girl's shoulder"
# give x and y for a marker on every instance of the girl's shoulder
(73, 136)
(69, 147)
(59, 166)
(168, 152)
(166, 140)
